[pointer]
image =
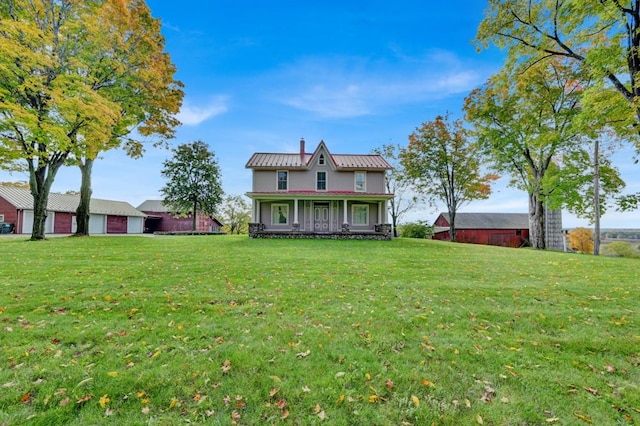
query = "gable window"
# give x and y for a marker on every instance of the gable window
(360, 181)
(321, 160)
(283, 180)
(279, 214)
(321, 181)
(360, 214)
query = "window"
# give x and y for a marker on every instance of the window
(360, 214)
(321, 181)
(361, 181)
(321, 160)
(279, 214)
(283, 180)
(1, 218)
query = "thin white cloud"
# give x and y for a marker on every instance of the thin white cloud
(352, 87)
(192, 115)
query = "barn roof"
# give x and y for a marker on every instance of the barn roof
(68, 203)
(158, 206)
(153, 206)
(489, 220)
(302, 160)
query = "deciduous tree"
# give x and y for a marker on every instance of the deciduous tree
(193, 180)
(68, 91)
(523, 118)
(600, 36)
(446, 165)
(127, 65)
(235, 213)
(581, 239)
(46, 107)
(404, 196)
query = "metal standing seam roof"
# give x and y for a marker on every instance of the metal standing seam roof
(490, 220)
(342, 161)
(68, 203)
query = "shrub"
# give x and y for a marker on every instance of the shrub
(416, 230)
(581, 239)
(622, 249)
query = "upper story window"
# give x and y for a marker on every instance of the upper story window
(283, 180)
(321, 181)
(321, 160)
(360, 181)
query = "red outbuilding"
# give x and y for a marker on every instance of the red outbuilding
(161, 219)
(496, 229)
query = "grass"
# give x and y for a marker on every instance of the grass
(228, 330)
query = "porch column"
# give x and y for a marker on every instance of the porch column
(257, 211)
(345, 211)
(295, 211)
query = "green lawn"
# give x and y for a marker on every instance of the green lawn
(224, 330)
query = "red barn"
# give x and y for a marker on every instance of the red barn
(160, 219)
(495, 229)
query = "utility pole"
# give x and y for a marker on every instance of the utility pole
(596, 198)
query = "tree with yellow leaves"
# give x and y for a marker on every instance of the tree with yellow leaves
(76, 77)
(581, 239)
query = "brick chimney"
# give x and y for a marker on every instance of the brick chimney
(302, 151)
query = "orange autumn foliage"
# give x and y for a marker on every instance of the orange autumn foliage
(581, 239)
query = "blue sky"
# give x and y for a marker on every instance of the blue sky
(260, 75)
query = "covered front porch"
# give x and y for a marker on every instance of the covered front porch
(320, 216)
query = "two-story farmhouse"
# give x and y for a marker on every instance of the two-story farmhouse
(319, 195)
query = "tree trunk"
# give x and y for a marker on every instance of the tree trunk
(452, 225)
(536, 222)
(82, 212)
(41, 179)
(195, 213)
(40, 201)
(596, 199)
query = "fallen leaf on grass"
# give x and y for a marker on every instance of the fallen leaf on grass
(26, 398)
(174, 402)
(415, 400)
(583, 417)
(84, 399)
(303, 354)
(104, 400)
(591, 390)
(488, 395)
(479, 419)
(226, 366)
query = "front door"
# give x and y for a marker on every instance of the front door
(321, 218)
